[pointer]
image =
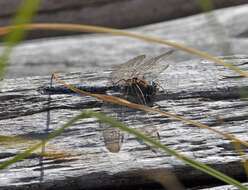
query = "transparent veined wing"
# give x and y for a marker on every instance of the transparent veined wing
(126, 70)
(137, 68)
(151, 68)
(112, 137)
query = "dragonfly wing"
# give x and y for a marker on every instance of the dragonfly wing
(151, 68)
(112, 136)
(126, 70)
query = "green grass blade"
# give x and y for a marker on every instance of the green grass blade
(28, 152)
(150, 141)
(157, 144)
(206, 5)
(24, 15)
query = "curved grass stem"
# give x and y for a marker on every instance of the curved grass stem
(98, 29)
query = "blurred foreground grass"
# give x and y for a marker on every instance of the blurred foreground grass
(24, 15)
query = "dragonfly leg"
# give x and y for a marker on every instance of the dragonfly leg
(158, 135)
(140, 94)
(122, 138)
(119, 81)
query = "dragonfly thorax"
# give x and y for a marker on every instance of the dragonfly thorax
(139, 90)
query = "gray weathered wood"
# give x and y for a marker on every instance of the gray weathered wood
(196, 89)
(225, 36)
(223, 187)
(114, 13)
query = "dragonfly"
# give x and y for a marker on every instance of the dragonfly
(137, 81)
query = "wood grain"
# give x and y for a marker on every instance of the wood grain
(219, 34)
(203, 92)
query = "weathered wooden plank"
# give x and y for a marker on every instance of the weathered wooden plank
(114, 13)
(198, 90)
(94, 52)
(223, 187)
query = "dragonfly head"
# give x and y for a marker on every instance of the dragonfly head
(150, 91)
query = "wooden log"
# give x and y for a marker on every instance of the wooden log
(224, 34)
(195, 89)
(113, 13)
